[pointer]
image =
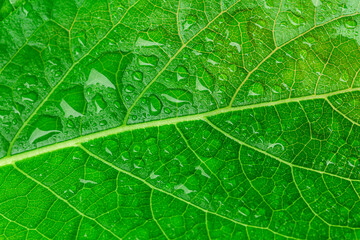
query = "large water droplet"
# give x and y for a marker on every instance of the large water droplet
(129, 89)
(181, 73)
(200, 85)
(256, 89)
(178, 97)
(29, 97)
(44, 128)
(155, 105)
(223, 77)
(151, 61)
(96, 77)
(236, 45)
(350, 24)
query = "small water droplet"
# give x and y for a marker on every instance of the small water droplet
(167, 110)
(136, 148)
(137, 76)
(103, 123)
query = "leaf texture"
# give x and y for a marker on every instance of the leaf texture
(181, 119)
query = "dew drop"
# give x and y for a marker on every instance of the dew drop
(99, 103)
(155, 105)
(294, 19)
(350, 24)
(129, 89)
(103, 123)
(181, 73)
(233, 68)
(151, 61)
(136, 148)
(223, 77)
(29, 97)
(178, 97)
(137, 76)
(244, 211)
(256, 89)
(167, 110)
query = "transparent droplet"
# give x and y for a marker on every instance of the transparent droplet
(155, 105)
(137, 76)
(350, 24)
(129, 89)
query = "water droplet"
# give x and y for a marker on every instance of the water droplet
(190, 20)
(236, 45)
(89, 91)
(155, 105)
(261, 23)
(186, 57)
(153, 175)
(244, 211)
(97, 78)
(103, 123)
(184, 188)
(294, 19)
(178, 97)
(70, 124)
(125, 156)
(58, 73)
(316, 3)
(137, 76)
(29, 97)
(256, 89)
(146, 43)
(117, 104)
(167, 110)
(181, 73)
(129, 88)
(344, 76)
(233, 68)
(99, 103)
(73, 101)
(350, 24)
(110, 146)
(151, 61)
(303, 54)
(200, 85)
(223, 77)
(136, 148)
(44, 128)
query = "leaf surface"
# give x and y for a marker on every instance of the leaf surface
(179, 119)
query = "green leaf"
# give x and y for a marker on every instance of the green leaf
(185, 119)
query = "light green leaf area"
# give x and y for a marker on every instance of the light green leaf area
(184, 119)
